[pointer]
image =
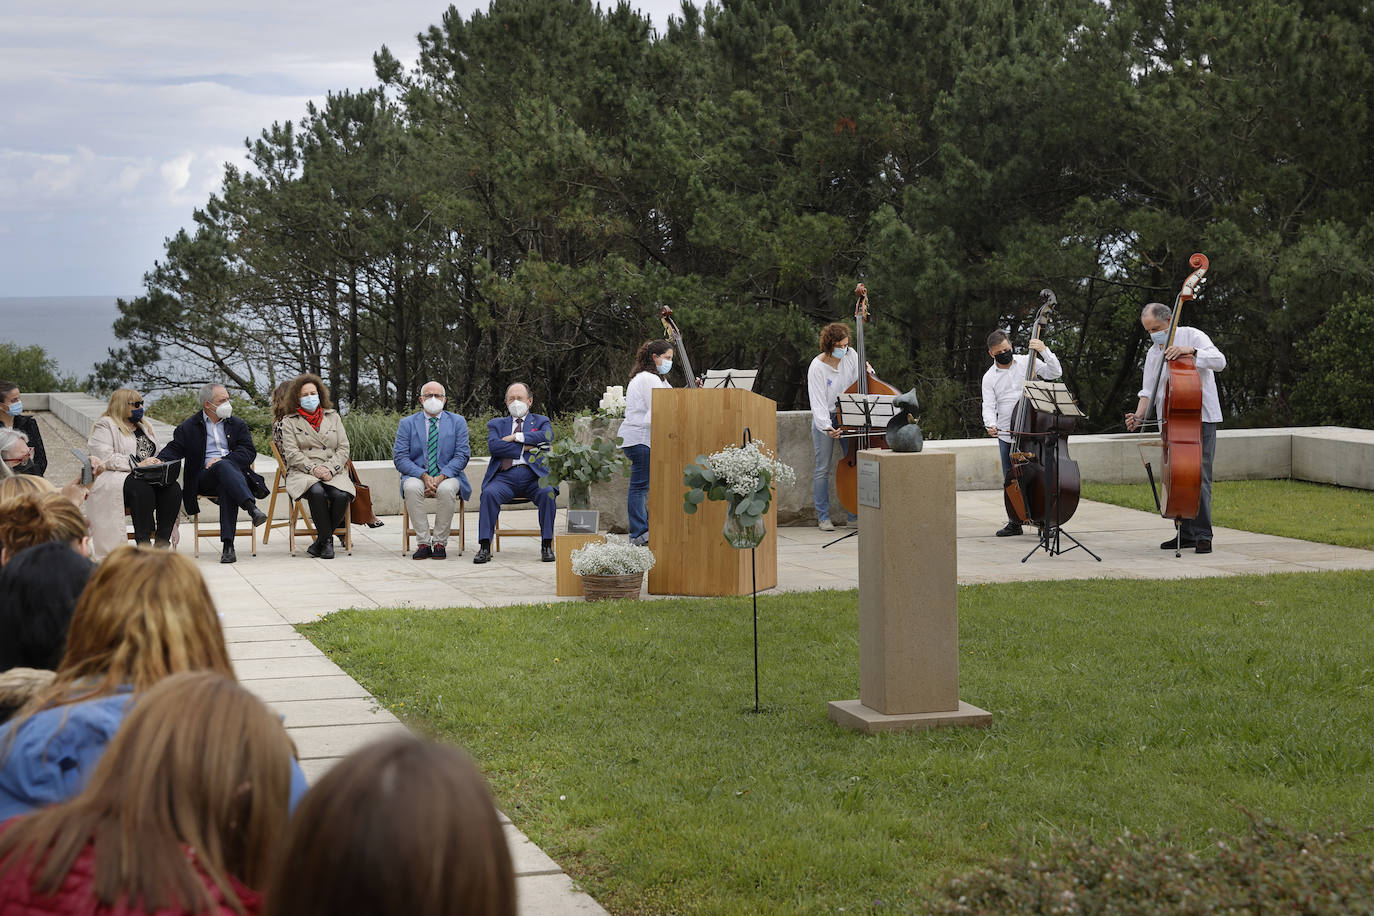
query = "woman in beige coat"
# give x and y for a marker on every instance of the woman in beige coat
(120, 434)
(314, 447)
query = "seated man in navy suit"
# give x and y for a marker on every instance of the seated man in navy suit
(430, 451)
(217, 453)
(517, 444)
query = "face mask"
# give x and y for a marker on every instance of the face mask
(310, 402)
(839, 352)
(518, 409)
(136, 414)
(433, 405)
(16, 408)
(225, 410)
(665, 367)
(1160, 337)
(1004, 358)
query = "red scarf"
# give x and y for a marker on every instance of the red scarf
(315, 418)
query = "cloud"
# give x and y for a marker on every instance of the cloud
(176, 172)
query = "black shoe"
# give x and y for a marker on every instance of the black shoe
(258, 487)
(314, 549)
(424, 553)
(228, 555)
(1203, 547)
(258, 516)
(377, 524)
(1186, 542)
(439, 552)
(1011, 530)
(327, 548)
(483, 555)
(546, 554)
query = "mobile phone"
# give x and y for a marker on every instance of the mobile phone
(87, 472)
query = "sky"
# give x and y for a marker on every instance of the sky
(119, 117)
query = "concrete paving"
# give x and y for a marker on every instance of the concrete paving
(328, 714)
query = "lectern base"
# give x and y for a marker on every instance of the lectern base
(855, 715)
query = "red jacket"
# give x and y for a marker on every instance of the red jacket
(74, 898)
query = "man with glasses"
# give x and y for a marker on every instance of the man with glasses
(431, 450)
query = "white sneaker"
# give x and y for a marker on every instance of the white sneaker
(825, 525)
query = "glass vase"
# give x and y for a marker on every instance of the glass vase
(739, 535)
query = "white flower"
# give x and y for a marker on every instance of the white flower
(738, 467)
(612, 558)
(613, 401)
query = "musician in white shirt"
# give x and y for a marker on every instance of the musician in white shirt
(653, 362)
(1155, 319)
(1002, 385)
(833, 370)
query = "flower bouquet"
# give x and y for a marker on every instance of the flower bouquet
(612, 403)
(611, 568)
(743, 477)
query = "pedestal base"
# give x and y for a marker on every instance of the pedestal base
(566, 582)
(855, 715)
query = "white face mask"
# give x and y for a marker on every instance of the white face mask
(225, 410)
(518, 409)
(433, 405)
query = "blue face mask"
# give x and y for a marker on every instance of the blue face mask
(665, 367)
(839, 352)
(310, 402)
(136, 414)
(16, 408)
(1160, 337)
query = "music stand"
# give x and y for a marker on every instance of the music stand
(730, 378)
(1053, 398)
(869, 411)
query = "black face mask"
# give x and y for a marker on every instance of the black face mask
(1004, 358)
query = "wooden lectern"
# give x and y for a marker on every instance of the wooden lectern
(691, 556)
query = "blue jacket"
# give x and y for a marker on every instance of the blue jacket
(55, 752)
(538, 431)
(412, 441)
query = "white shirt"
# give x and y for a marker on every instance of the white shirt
(824, 385)
(639, 407)
(519, 437)
(216, 442)
(1209, 362)
(1002, 389)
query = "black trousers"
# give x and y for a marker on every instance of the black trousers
(152, 508)
(225, 481)
(328, 506)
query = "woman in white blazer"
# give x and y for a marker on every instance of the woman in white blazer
(119, 436)
(314, 448)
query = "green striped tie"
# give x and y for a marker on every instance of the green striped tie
(432, 451)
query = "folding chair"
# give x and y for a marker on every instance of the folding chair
(299, 525)
(514, 532)
(211, 530)
(408, 530)
(278, 486)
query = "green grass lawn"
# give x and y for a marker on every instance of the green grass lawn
(619, 735)
(1289, 508)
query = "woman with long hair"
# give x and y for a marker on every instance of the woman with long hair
(144, 615)
(183, 814)
(832, 371)
(314, 448)
(402, 826)
(122, 438)
(652, 365)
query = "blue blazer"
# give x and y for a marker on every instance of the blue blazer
(412, 441)
(188, 444)
(538, 431)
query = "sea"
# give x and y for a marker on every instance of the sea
(77, 331)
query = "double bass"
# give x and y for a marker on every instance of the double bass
(1044, 483)
(671, 331)
(847, 474)
(1180, 415)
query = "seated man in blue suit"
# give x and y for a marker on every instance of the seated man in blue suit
(217, 453)
(517, 444)
(430, 451)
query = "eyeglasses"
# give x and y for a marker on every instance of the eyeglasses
(136, 404)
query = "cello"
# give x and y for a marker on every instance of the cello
(847, 474)
(1044, 483)
(1180, 416)
(671, 331)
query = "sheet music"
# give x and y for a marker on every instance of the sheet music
(730, 378)
(1051, 397)
(866, 409)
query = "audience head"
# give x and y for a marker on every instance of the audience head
(145, 614)
(39, 588)
(401, 826)
(433, 398)
(199, 764)
(519, 399)
(214, 401)
(25, 485)
(36, 518)
(834, 335)
(308, 384)
(10, 401)
(126, 409)
(649, 355)
(281, 407)
(14, 447)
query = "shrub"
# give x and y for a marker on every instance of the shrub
(1273, 870)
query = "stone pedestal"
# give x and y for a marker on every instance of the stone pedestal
(567, 582)
(908, 601)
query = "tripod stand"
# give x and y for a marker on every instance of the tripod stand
(1052, 400)
(1050, 534)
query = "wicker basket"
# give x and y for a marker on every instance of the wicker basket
(600, 588)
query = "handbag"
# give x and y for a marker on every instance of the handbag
(362, 501)
(156, 475)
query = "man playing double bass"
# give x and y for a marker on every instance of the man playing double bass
(1002, 385)
(1155, 318)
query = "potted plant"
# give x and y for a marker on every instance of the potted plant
(743, 476)
(582, 464)
(612, 568)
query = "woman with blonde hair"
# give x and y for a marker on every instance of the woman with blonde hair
(182, 815)
(144, 615)
(402, 826)
(37, 518)
(314, 448)
(122, 438)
